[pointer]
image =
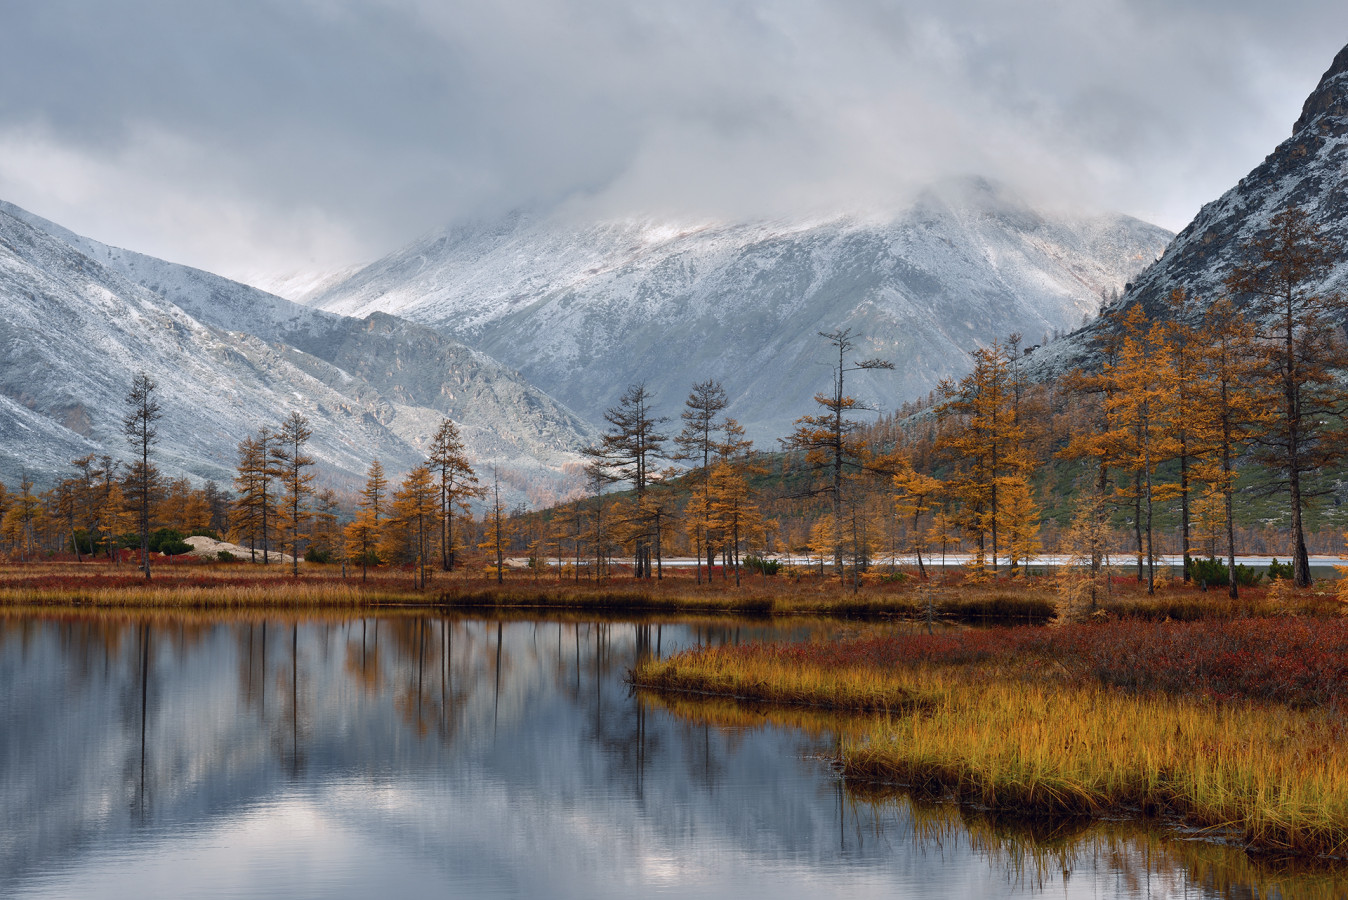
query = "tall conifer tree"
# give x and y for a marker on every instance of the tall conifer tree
(143, 411)
(629, 452)
(291, 466)
(1299, 347)
(985, 445)
(697, 442)
(456, 481)
(831, 439)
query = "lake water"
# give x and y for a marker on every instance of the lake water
(407, 757)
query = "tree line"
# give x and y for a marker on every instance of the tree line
(1174, 416)
(108, 507)
(1218, 402)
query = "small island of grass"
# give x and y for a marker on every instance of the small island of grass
(1233, 725)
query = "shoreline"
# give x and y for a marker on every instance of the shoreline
(902, 597)
(1024, 732)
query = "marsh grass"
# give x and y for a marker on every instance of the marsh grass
(1012, 728)
(774, 677)
(729, 713)
(1278, 776)
(777, 598)
(1184, 604)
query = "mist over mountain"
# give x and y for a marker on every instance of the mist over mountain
(583, 309)
(575, 312)
(1309, 170)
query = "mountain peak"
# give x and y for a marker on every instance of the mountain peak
(589, 306)
(1330, 95)
(1307, 170)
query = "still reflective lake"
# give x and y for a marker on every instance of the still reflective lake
(401, 756)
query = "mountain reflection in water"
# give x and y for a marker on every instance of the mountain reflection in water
(236, 757)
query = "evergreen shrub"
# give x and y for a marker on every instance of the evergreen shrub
(169, 542)
(1214, 572)
(1278, 570)
(762, 566)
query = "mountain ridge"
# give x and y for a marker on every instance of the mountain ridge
(374, 387)
(585, 310)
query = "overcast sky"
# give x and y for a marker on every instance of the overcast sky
(256, 137)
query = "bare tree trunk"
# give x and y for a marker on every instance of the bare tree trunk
(698, 548)
(917, 545)
(1151, 554)
(1184, 503)
(1137, 521)
(1233, 592)
(994, 517)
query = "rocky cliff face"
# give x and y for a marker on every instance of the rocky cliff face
(585, 309)
(1309, 169)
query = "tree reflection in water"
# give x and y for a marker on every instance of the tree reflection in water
(500, 756)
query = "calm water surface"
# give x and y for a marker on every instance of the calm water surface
(407, 757)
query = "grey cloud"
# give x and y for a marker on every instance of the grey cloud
(271, 133)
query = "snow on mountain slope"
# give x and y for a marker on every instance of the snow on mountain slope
(1309, 169)
(73, 334)
(78, 320)
(411, 365)
(298, 286)
(583, 311)
(34, 444)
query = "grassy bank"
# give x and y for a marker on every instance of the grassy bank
(1044, 722)
(188, 586)
(1037, 851)
(776, 600)
(1276, 775)
(201, 584)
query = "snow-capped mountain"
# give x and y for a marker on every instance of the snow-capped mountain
(584, 310)
(1309, 169)
(78, 320)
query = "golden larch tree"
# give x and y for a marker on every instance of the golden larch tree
(985, 445)
(290, 465)
(1228, 412)
(734, 514)
(406, 533)
(456, 483)
(1300, 347)
(1139, 403)
(916, 494)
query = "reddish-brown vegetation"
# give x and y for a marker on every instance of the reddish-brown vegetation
(1298, 662)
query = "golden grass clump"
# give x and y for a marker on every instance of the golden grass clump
(728, 713)
(1035, 742)
(1279, 776)
(770, 678)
